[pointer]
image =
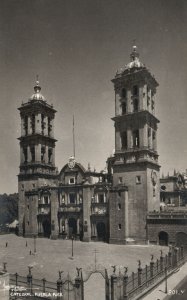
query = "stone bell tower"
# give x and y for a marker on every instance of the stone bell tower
(135, 163)
(37, 156)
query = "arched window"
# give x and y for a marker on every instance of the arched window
(32, 154)
(42, 153)
(136, 140)
(50, 152)
(124, 140)
(135, 105)
(33, 123)
(49, 126)
(135, 90)
(123, 93)
(42, 123)
(124, 107)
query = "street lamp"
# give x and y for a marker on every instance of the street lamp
(72, 238)
(34, 243)
(166, 282)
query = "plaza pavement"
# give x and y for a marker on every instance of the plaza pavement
(56, 254)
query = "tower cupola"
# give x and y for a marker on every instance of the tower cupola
(37, 92)
(135, 61)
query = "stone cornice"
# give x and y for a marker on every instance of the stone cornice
(36, 137)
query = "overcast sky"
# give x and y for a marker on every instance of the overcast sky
(76, 46)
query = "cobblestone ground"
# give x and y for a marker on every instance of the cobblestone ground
(54, 255)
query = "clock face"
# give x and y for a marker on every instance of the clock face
(154, 177)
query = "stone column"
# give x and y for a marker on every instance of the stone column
(117, 110)
(155, 141)
(45, 125)
(126, 215)
(52, 127)
(145, 136)
(117, 141)
(53, 157)
(33, 210)
(87, 194)
(22, 127)
(141, 98)
(129, 138)
(22, 157)
(38, 153)
(67, 227)
(78, 229)
(54, 212)
(29, 125)
(46, 155)
(129, 105)
(28, 154)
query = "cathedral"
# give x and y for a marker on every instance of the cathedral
(80, 203)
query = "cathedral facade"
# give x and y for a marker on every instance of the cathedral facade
(85, 204)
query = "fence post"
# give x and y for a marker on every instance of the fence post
(182, 252)
(139, 273)
(152, 266)
(169, 258)
(16, 275)
(161, 261)
(78, 286)
(157, 264)
(114, 284)
(133, 280)
(176, 256)
(44, 281)
(29, 279)
(166, 260)
(125, 283)
(59, 285)
(146, 274)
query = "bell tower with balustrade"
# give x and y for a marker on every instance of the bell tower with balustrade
(135, 163)
(37, 156)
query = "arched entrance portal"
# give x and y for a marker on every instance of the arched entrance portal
(163, 238)
(181, 239)
(72, 223)
(46, 228)
(101, 231)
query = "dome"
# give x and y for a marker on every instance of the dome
(135, 61)
(37, 95)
